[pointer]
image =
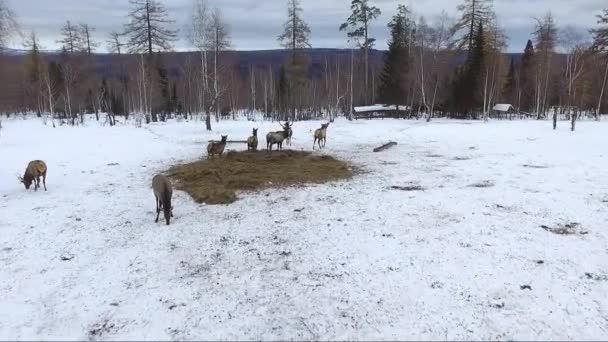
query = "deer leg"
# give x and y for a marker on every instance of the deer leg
(36, 183)
(44, 180)
(313, 144)
(157, 208)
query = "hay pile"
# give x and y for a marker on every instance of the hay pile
(216, 181)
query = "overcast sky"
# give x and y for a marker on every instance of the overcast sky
(255, 24)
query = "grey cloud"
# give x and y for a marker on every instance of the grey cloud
(255, 24)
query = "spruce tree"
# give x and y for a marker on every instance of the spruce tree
(526, 75)
(396, 61)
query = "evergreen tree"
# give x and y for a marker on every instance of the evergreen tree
(397, 59)
(468, 85)
(295, 37)
(509, 91)
(526, 75)
(33, 70)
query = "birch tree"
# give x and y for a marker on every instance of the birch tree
(219, 39)
(600, 45)
(545, 35)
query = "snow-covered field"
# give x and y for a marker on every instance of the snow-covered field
(346, 260)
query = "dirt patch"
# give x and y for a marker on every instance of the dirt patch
(216, 181)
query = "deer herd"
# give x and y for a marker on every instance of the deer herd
(161, 185)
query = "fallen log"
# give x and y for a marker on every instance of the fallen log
(385, 146)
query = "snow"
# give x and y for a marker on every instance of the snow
(502, 107)
(341, 261)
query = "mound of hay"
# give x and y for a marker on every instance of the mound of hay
(216, 181)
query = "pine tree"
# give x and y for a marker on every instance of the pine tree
(509, 91)
(468, 84)
(358, 25)
(526, 75)
(295, 37)
(396, 61)
(147, 29)
(33, 70)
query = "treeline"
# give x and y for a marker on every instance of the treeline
(437, 66)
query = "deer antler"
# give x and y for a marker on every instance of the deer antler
(19, 178)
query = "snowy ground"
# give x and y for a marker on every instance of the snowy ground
(347, 260)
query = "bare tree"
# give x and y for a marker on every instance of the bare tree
(71, 40)
(198, 35)
(575, 47)
(147, 29)
(8, 24)
(114, 43)
(473, 13)
(88, 44)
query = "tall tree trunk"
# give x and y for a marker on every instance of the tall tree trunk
(599, 103)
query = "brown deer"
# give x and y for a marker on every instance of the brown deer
(34, 170)
(277, 138)
(217, 148)
(287, 127)
(163, 191)
(320, 135)
(252, 142)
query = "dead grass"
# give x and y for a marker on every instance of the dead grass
(216, 181)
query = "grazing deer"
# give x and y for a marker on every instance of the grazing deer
(163, 191)
(216, 148)
(276, 138)
(252, 142)
(287, 127)
(320, 135)
(34, 170)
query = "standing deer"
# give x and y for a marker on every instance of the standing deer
(216, 148)
(163, 191)
(252, 142)
(34, 170)
(287, 127)
(320, 135)
(276, 138)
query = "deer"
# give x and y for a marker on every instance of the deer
(163, 191)
(277, 138)
(34, 170)
(287, 127)
(252, 142)
(320, 135)
(216, 148)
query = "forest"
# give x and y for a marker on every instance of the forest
(440, 66)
